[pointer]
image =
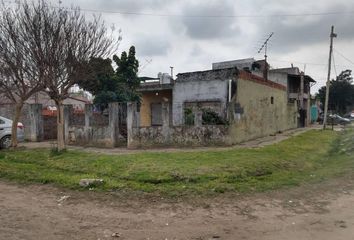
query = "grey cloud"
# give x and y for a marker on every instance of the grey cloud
(196, 51)
(132, 5)
(302, 31)
(120, 5)
(152, 46)
(204, 40)
(209, 28)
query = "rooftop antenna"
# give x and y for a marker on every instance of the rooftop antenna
(147, 62)
(265, 47)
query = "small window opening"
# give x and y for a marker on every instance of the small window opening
(271, 100)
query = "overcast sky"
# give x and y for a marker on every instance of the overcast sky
(170, 33)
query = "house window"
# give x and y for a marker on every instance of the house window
(156, 114)
(271, 100)
(188, 117)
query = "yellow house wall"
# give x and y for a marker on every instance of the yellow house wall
(261, 118)
(147, 99)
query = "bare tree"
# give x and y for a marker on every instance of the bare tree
(20, 76)
(44, 47)
(68, 42)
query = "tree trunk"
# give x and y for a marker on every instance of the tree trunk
(15, 121)
(60, 128)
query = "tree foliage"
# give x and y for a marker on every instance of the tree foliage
(127, 70)
(99, 76)
(341, 93)
(108, 85)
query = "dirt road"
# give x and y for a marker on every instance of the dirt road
(322, 211)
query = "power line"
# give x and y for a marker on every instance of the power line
(319, 64)
(344, 56)
(334, 65)
(307, 63)
(211, 16)
(198, 16)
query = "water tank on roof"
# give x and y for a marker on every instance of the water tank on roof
(165, 78)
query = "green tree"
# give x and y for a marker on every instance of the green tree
(100, 81)
(108, 85)
(341, 93)
(99, 77)
(127, 76)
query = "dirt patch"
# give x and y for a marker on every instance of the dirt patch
(321, 211)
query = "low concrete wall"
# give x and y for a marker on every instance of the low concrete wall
(96, 130)
(177, 136)
(91, 136)
(173, 136)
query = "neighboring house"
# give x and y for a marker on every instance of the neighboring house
(153, 94)
(78, 102)
(235, 92)
(298, 89)
(48, 110)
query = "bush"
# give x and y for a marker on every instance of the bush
(188, 116)
(212, 118)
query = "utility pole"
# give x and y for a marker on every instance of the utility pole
(333, 35)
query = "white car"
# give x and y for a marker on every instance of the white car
(5, 132)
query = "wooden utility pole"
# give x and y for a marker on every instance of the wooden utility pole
(333, 35)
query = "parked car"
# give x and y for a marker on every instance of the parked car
(5, 132)
(350, 116)
(335, 119)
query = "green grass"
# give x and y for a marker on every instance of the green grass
(312, 156)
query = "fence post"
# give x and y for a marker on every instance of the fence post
(88, 115)
(67, 112)
(113, 111)
(36, 120)
(166, 121)
(198, 118)
(131, 122)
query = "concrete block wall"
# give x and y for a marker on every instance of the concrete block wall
(174, 136)
(179, 136)
(198, 87)
(36, 122)
(104, 134)
(259, 110)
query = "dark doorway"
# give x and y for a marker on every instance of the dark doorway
(302, 120)
(49, 127)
